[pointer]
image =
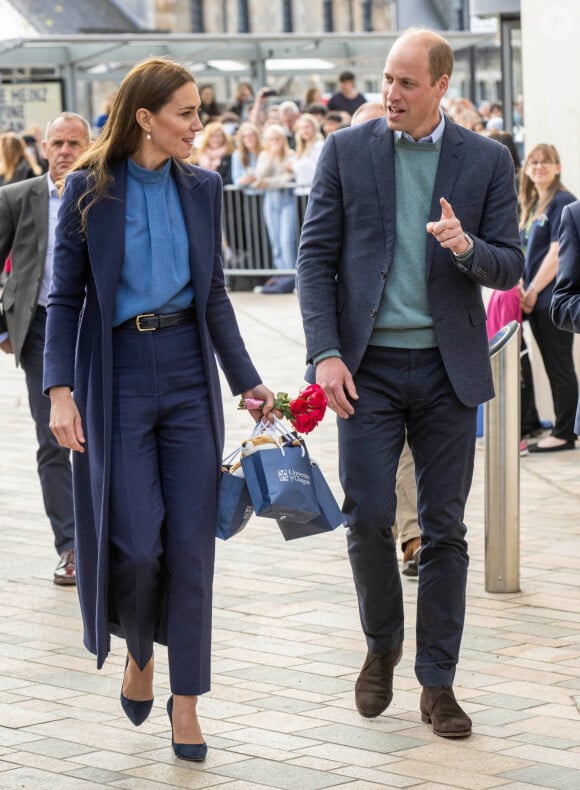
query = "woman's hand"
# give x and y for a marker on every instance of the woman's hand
(261, 392)
(65, 419)
(528, 299)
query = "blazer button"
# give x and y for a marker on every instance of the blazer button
(373, 313)
(383, 275)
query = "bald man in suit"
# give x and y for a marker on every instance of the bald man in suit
(28, 214)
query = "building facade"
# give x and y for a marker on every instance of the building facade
(278, 16)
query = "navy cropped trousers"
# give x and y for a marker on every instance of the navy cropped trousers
(164, 481)
(398, 389)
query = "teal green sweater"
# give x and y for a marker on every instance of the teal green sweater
(403, 318)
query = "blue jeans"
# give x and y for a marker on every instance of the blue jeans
(280, 219)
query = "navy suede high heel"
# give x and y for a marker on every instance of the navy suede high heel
(135, 710)
(195, 752)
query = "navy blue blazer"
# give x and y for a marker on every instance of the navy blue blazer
(565, 307)
(79, 352)
(348, 239)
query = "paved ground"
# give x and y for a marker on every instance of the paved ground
(287, 644)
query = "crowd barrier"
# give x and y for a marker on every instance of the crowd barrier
(248, 257)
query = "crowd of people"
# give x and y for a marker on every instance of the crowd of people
(234, 143)
(236, 136)
(116, 307)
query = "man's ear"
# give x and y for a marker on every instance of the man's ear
(443, 85)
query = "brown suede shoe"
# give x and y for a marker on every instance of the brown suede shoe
(373, 690)
(440, 708)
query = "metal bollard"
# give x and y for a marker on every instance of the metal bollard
(502, 464)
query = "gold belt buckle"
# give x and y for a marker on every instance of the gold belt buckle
(138, 322)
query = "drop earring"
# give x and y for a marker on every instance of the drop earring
(148, 136)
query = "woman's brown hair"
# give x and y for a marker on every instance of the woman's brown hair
(150, 84)
(248, 128)
(531, 206)
(12, 152)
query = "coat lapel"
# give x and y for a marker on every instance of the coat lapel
(197, 204)
(106, 240)
(382, 153)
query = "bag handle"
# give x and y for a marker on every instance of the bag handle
(288, 435)
(256, 431)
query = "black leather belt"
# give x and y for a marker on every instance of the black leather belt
(150, 322)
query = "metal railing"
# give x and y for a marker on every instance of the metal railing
(245, 235)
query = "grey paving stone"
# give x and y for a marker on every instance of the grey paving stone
(294, 679)
(97, 775)
(33, 779)
(53, 747)
(547, 776)
(280, 776)
(364, 738)
(504, 701)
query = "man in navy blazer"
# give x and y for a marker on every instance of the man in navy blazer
(408, 217)
(565, 308)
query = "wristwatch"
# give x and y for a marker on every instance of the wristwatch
(461, 256)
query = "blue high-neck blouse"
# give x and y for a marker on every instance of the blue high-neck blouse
(155, 275)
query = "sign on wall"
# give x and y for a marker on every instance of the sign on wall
(24, 105)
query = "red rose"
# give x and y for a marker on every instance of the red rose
(299, 406)
(315, 396)
(308, 390)
(305, 411)
(305, 423)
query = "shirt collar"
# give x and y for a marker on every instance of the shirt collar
(52, 190)
(434, 137)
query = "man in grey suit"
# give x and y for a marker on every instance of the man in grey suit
(28, 214)
(408, 217)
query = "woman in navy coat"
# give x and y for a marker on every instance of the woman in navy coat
(137, 313)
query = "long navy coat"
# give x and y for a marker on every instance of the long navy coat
(79, 353)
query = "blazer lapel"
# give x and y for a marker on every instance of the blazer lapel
(448, 170)
(382, 153)
(39, 205)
